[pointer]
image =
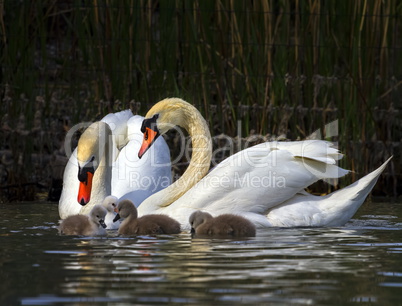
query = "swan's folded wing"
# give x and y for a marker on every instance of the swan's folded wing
(319, 150)
(261, 177)
(317, 156)
(118, 124)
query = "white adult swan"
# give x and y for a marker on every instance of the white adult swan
(107, 155)
(264, 183)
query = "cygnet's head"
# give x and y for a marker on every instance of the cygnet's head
(110, 203)
(124, 209)
(197, 218)
(98, 214)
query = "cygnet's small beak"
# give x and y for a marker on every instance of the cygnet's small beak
(102, 223)
(117, 217)
(192, 230)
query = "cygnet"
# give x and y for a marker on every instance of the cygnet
(110, 203)
(146, 225)
(226, 225)
(91, 225)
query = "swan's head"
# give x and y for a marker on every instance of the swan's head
(197, 218)
(124, 209)
(162, 117)
(91, 148)
(110, 203)
(98, 214)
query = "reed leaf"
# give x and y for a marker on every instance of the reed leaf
(277, 67)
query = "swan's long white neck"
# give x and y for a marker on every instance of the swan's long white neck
(101, 185)
(179, 112)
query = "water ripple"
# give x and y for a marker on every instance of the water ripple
(356, 263)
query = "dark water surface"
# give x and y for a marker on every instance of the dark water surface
(358, 263)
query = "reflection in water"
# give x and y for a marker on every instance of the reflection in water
(357, 263)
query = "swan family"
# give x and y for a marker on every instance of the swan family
(105, 163)
(265, 183)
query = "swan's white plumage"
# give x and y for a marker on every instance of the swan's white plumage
(68, 204)
(136, 179)
(264, 183)
(118, 123)
(126, 136)
(334, 209)
(255, 180)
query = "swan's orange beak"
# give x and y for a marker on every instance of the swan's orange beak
(84, 193)
(149, 138)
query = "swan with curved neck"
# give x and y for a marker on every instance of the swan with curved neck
(69, 204)
(264, 183)
(164, 116)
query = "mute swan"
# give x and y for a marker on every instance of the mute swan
(91, 225)
(264, 183)
(146, 225)
(226, 225)
(124, 175)
(137, 179)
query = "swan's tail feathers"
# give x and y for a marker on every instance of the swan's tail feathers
(360, 189)
(346, 201)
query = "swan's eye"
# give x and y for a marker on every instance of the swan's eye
(92, 159)
(97, 216)
(114, 205)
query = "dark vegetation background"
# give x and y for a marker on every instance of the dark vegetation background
(282, 68)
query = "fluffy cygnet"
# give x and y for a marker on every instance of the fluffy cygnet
(226, 225)
(110, 203)
(146, 225)
(91, 225)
